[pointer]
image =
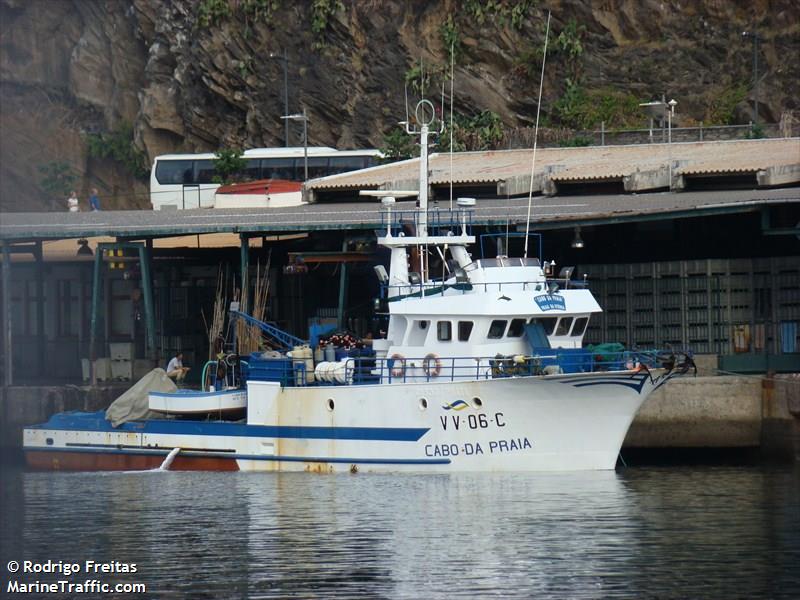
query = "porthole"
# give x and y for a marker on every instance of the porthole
(49, 441)
(423, 403)
(331, 404)
(477, 402)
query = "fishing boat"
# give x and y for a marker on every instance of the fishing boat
(482, 369)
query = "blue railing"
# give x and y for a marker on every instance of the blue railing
(284, 339)
(371, 370)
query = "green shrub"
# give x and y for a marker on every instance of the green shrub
(398, 145)
(483, 131)
(451, 39)
(229, 165)
(579, 109)
(722, 107)
(211, 12)
(118, 145)
(57, 178)
(576, 142)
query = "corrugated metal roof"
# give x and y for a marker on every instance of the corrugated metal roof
(590, 163)
(366, 214)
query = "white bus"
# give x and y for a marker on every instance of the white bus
(186, 180)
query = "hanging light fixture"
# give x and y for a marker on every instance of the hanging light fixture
(83, 248)
(577, 241)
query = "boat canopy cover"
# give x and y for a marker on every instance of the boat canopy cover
(133, 404)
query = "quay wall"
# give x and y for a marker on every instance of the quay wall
(691, 412)
(722, 412)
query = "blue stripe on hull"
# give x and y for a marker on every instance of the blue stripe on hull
(80, 421)
(314, 459)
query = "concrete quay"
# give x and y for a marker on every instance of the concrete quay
(690, 412)
(726, 411)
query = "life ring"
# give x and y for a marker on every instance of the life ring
(432, 365)
(398, 365)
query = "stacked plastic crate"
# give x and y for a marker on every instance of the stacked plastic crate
(121, 360)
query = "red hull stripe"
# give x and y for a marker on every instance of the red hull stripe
(97, 461)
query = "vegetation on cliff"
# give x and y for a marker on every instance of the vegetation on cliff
(159, 76)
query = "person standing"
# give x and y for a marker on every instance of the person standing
(94, 201)
(72, 202)
(175, 368)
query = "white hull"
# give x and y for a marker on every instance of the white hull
(198, 402)
(552, 423)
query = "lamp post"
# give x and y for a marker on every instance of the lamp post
(285, 60)
(672, 104)
(304, 118)
(756, 39)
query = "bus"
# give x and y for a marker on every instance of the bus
(183, 181)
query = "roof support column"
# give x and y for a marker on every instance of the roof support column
(342, 290)
(8, 379)
(244, 268)
(149, 313)
(40, 334)
(96, 283)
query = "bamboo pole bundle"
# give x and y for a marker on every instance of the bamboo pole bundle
(217, 316)
(249, 336)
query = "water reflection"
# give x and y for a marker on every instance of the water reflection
(682, 532)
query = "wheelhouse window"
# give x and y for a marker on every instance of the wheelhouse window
(497, 329)
(580, 326)
(549, 324)
(444, 331)
(564, 325)
(517, 328)
(464, 330)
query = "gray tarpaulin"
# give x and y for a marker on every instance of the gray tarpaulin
(133, 404)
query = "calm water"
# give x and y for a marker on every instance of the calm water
(678, 532)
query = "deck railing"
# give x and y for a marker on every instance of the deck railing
(431, 368)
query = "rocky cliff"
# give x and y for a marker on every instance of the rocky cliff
(186, 75)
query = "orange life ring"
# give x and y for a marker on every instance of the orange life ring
(398, 365)
(432, 365)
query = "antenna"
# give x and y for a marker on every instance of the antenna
(536, 136)
(452, 101)
(406, 94)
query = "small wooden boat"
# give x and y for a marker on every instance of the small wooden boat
(225, 403)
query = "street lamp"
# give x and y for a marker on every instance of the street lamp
(285, 60)
(672, 104)
(304, 118)
(756, 39)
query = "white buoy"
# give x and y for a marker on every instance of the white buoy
(168, 461)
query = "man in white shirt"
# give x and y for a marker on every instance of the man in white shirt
(175, 368)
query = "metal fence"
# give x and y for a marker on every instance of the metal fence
(522, 137)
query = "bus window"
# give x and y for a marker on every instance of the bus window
(253, 169)
(279, 168)
(174, 171)
(204, 171)
(317, 167)
(343, 164)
